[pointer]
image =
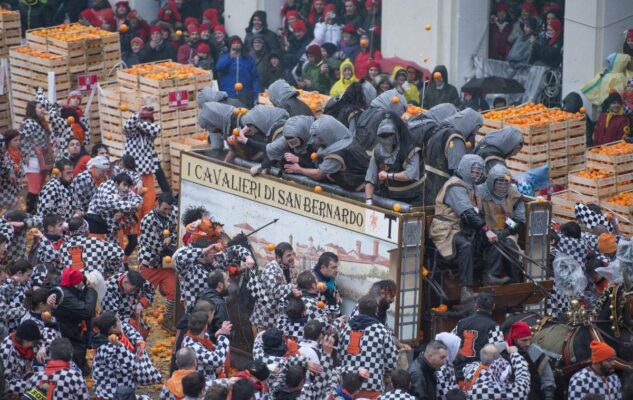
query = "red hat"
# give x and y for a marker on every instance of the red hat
(219, 28)
(235, 40)
(529, 7)
(122, 3)
(373, 64)
(329, 8)
(519, 330)
(370, 3)
(155, 28)
(600, 352)
(299, 26)
(137, 40)
(91, 16)
(211, 15)
(315, 51)
(193, 29)
(349, 28)
(191, 21)
(629, 34)
(71, 277)
(292, 13)
(203, 48)
(204, 27)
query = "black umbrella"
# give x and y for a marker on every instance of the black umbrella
(493, 84)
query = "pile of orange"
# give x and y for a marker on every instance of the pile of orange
(413, 109)
(36, 53)
(200, 136)
(622, 199)
(617, 149)
(164, 71)
(514, 111)
(531, 114)
(593, 173)
(315, 100)
(72, 32)
(6, 12)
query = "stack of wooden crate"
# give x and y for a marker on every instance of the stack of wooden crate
(79, 56)
(176, 147)
(170, 88)
(551, 137)
(10, 35)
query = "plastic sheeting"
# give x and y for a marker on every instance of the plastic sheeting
(530, 76)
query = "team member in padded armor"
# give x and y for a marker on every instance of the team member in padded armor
(457, 222)
(282, 95)
(446, 148)
(422, 126)
(340, 158)
(218, 119)
(364, 128)
(504, 213)
(499, 145)
(293, 146)
(395, 165)
(262, 124)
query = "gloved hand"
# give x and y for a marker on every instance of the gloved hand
(472, 219)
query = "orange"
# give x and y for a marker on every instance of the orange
(426, 59)
(321, 287)
(238, 86)
(123, 28)
(167, 259)
(395, 99)
(236, 132)
(582, 110)
(318, 189)
(437, 75)
(145, 190)
(314, 156)
(270, 247)
(397, 207)
(427, 27)
(56, 171)
(71, 120)
(123, 107)
(166, 232)
(178, 32)
(108, 137)
(424, 272)
(364, 42)
(46, 316)
(320, 304)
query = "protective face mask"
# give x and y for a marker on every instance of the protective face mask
(293, 142)
(501, 187)
(477, 173)
(387, 142)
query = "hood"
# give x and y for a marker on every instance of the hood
(505, 141)
(265, 49)
(216, 116)
(208, 93)
(442, 70)
(465, 165)
(262, 15)
(395, 71)
(330, 135)
(467, 122)
(384, 102)
(452, 342)
(347, 64)
(263, 117)
(441, 112)
(572, 102)
(280, 91)
(299, 127)
(618, 62)
(498, 172)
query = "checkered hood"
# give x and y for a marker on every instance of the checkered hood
(589, 218)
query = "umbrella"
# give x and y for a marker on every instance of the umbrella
(388, 64)
(493, 84)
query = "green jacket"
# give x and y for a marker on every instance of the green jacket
(320, 82)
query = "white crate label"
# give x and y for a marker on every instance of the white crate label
(178, 98)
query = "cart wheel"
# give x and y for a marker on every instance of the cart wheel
(552, 85)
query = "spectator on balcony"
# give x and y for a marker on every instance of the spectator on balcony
(236, 68)
(157, 48)
(259, 26)
(439, 91)
(549, 52)
(627, 48)
(612, 124)
(328, 30)
(500, 29)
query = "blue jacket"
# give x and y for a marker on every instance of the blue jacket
(227, 69)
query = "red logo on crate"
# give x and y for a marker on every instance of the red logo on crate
(178, 98)
(85, 83)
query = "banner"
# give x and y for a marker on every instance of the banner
(288, 197)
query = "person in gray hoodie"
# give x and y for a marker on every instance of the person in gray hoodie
(499, 145)
(282, 95)
(262, 124)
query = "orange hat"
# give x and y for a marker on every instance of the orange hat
(607, 243)
(600, 352)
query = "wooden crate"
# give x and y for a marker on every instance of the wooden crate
(10, 31)
(176, 147)
(620, 164)
(600, 188)
(563, 202)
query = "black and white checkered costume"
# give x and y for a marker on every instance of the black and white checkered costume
(445, 380)
(56, 198)
(587, 381)
(69, 384)
(151, 237)
(591, 219)
(84, 187)
(192, 274)
(139, 143)
(94, 254)
(576, 248)
(318, 385)
(124, 304)
(208, 360)
(60, 128)
(33, 135)
(16, 248)
(295, 328)
(378, 354)
(397, 394)
(47, 259)
(274, 289)
(355, 312)
(136, 177)
(12, 302)
(49, 330)
(17, 370)
(486, 388)
(9, 191)
(107, 201)
(115, 365)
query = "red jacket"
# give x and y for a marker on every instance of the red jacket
(618, 127)
(361, 63)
